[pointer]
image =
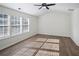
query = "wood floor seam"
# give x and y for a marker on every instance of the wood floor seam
(39, 49)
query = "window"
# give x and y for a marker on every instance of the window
(3, 25)
(25, 25)
(13, 25)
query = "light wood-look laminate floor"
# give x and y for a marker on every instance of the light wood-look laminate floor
(43, 45)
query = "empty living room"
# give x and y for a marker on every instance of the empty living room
(39, 29)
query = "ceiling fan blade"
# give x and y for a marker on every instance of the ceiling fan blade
(37, 5)
(40, 7)
(47, 7)
(51, 4)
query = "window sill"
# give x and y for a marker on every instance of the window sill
(11, 36)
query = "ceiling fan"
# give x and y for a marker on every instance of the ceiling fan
(45, 5)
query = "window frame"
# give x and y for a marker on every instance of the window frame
(27, 25)
(9, 27)
(5, 25)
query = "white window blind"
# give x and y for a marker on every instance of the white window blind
(25, 25)
(13, 25)
(3, 25)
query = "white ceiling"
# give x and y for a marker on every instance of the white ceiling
(33, 10)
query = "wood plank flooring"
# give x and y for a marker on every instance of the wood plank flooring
(43, 45)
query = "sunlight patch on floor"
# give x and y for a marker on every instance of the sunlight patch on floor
(47, 53)
(50, 46)
(41, 39)
(53, 40)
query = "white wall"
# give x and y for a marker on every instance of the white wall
(55, 23)
(12, 40)
(75, 26)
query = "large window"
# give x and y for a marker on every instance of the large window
(13, 25)
(3, 25)
(25, 25)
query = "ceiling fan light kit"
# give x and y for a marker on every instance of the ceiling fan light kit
(45, 5)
